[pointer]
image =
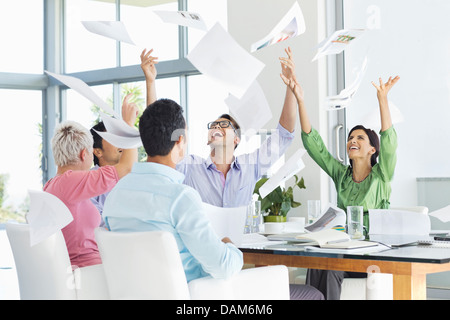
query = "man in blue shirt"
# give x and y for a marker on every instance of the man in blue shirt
(223, 179)
(152, 197)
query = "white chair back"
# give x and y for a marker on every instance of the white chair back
(44, 271)
(142, 265)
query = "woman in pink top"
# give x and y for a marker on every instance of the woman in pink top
(75, 184)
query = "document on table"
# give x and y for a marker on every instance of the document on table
(345, 96)
(47, 215)
(115, 30)
(252, 111)
(290, 168)
(219, 57)
(182, 18)
(338, 42)
(292, 24)
(386, 221)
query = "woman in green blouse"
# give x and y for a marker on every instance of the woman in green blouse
(365, 182)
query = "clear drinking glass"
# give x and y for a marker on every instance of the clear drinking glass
(355, 222)
(313, 210)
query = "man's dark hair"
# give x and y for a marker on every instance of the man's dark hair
(160, 126)
(98, 141)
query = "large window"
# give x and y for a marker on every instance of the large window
(21, 145)
(21, 36)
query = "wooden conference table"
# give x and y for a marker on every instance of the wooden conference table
(409, 265)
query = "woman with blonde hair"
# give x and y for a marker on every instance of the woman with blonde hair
(75, 184)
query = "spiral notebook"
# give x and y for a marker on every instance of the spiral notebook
(433, 244)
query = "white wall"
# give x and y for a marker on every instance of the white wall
(250, 21)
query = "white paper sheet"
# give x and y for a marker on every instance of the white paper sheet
(290, 168)
(111, 29)
(47, 215)
(292, 25)
(83, 89)
(338, 42)
(182, 18)
(252, 111)
(219, 57)
(227, 222)
(442, 214)
(385, 221)
(345, 97)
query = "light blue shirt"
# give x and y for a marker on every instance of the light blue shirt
(237, 189)
(152, 197)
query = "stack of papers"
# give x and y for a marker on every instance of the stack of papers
(334, 239)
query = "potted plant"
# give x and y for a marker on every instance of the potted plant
(277, 204)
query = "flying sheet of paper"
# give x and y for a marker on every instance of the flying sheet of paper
(219, 57)
(83, 89)
(182, 18)
(385, 221)
(111, 29)
(442, 214)
(292, 25)
(252, 111)
(290, 168)
(373, 120)
(227, 222)
(338, 42)
(119, 133)
(345, 97)
(47, 215)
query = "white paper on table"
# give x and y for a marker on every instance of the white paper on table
(182, 18)
(292, 25)
(442, 214)
(252, 111)
(399, 222)
(83, 89)
(227, 222)
(338, 42)
(373, 119)
(47, 215)
(290, 168)
(223, 60)
(346, 95)
(111, 29)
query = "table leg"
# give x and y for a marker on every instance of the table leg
(410, 287)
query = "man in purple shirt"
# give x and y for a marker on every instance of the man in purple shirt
(223, 179)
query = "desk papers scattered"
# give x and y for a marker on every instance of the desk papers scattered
(227, 222)
(219, 57)
(182, 18)
(332, 217)
(334, 239)
(338, 42)
(442, 214)
(111, 29)
(290, 168)
(385, 221)
(345, 96)
(47, 215)
(292, 24)
(252, 111)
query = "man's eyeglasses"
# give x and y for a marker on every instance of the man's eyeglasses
(222, 124)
